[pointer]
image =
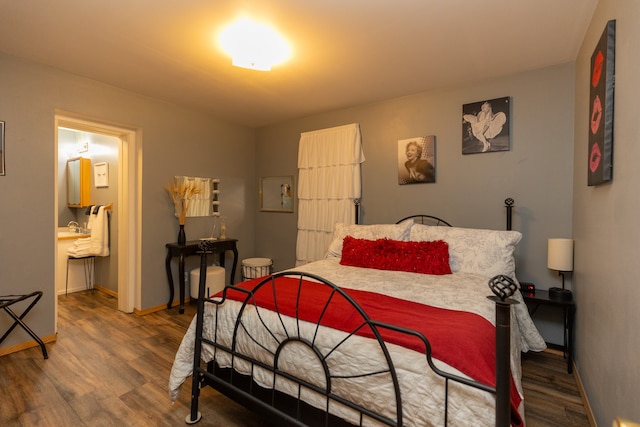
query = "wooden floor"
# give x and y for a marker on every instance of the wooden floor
(108, 368)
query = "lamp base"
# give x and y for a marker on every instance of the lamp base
(560, 293)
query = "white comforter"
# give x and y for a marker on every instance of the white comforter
(422, 390)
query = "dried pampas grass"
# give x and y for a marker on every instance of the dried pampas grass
(181, 194)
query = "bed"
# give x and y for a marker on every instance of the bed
(364, 337)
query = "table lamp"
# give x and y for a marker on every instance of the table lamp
(560, 258)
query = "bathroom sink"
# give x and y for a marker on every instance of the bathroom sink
(70, 235)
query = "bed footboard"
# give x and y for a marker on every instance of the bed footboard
(299, 332)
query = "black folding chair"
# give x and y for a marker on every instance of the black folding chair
(7, 301)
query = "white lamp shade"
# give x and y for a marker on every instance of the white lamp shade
(560, 254)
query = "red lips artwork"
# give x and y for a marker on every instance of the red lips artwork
(601, 97)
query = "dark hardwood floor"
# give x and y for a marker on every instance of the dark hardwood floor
(108, 368)
(551, 395)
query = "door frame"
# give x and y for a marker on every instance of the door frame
(129, 204)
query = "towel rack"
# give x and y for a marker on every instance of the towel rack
(108, 208)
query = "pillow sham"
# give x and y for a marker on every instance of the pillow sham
(385, 254)
(471, 250)
(371, 232)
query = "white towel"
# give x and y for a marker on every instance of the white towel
(81, 247)
(91, 216)
(100, 234)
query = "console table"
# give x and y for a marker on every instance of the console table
(191, 248)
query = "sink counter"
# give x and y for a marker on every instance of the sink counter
(65, 234)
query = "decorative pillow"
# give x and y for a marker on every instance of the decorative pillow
(371, 232)
(385, 254)
(485, 252)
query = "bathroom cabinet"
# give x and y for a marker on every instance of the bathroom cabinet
(79, 182)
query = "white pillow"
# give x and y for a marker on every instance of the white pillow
(485, 252)
(370, 232)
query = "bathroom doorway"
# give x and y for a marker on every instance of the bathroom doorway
(115, 151)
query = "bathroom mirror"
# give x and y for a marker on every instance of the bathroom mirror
(276, 194)
(78, 182)
(206, 202)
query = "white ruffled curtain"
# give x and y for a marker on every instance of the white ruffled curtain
(328, 183)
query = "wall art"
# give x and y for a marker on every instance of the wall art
(416, 160)
(486, 126)
(276, 193)
(101, 174)
(600, 159)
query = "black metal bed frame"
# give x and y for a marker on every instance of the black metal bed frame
(287, 410)
(426, 220)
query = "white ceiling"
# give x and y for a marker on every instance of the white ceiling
(346, 52)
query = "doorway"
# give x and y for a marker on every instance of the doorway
(127, 180)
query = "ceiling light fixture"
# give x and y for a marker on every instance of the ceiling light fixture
(254, 45)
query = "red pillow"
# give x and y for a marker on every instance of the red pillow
(385, 254)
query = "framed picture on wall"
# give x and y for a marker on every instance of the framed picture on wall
(486, 126)
(416, 160)
(101, 174)
(600, 161)
(1, 148)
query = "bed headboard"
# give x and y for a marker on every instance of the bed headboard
(430, 219)
(426, 219)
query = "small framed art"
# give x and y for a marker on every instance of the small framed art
(416, 160)
(101, 174)
(486, 126)
(276, 194)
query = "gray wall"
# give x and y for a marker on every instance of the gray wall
(175, 141)
(470, 189)
(607, 230)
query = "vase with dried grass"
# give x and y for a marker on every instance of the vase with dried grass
(181, 193)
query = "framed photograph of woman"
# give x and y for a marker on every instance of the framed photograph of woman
(416, 160)
(485, 126)
(1, 148)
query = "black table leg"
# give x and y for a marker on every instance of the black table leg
(569, 344)
(181, 281)
(167, 265)
(235, 264)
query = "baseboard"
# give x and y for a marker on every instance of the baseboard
(106, 291)
(27, 344)
(583, 394)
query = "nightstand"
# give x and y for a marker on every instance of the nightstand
(535, 299)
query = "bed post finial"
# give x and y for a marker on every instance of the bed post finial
(503, 288)
(509, 204)
(356, 205)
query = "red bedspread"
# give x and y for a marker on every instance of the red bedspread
(463, 340)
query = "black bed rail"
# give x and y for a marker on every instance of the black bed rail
(502, 287)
